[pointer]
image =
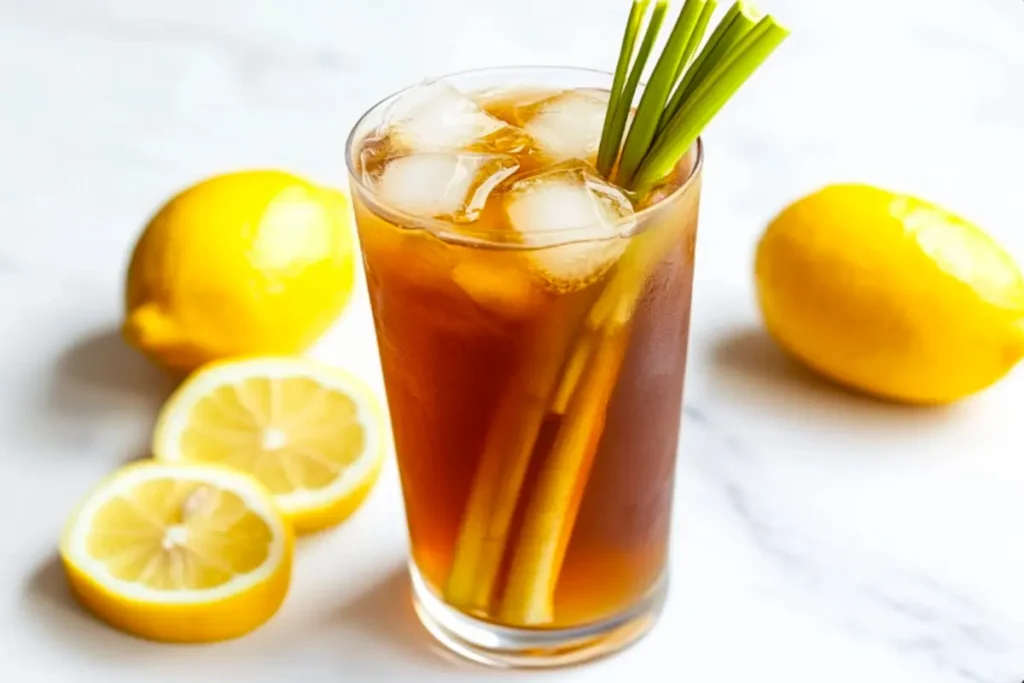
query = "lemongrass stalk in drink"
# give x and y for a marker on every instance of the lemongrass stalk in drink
(528, 239)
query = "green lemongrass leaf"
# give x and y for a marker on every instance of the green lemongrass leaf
(652, 103)
(737, 22)
(609, 147)
(765, 31)
(615, 126)
(708, 98)
(698, 34)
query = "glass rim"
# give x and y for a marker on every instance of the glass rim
(444, 229)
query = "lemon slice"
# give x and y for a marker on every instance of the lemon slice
(313, 435)
(182, 553)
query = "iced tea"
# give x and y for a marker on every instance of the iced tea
(532, 322)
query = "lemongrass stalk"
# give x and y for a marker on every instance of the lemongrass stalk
(552, 509)
(480, 545)
(610, 140)
(571, 375)
(652, 102)
(695, 38)
(612, 308)
(635, 73)
(587, 383)
(737, 22)
(708, 98)
(486, 522)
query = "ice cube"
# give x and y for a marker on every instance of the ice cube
(437, 117)
(510, 98)
(567, 125)
(569, 203)
(496, 281)
(453, 186)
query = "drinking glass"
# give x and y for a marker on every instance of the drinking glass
(535, 422)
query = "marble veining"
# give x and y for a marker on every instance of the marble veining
(901, 608)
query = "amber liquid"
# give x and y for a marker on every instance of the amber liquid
(457, 323)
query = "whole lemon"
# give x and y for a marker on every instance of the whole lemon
(890, 294)
(253, 262)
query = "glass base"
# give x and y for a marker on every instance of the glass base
(502, 646)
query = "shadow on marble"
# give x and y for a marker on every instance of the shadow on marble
(754, 371)
(375, 636)
(372, 635)
(99, 379)
(104, 360)
(384, 613)
(49, 605)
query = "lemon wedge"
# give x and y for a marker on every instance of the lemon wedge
(312, 434)
(180, 553)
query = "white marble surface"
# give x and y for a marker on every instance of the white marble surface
(820, 536)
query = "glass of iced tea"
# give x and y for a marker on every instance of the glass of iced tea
(532, 321)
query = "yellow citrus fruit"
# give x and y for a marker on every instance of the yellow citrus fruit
(180, 553)
(254, 262)
(890, 294)
(313, 435)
